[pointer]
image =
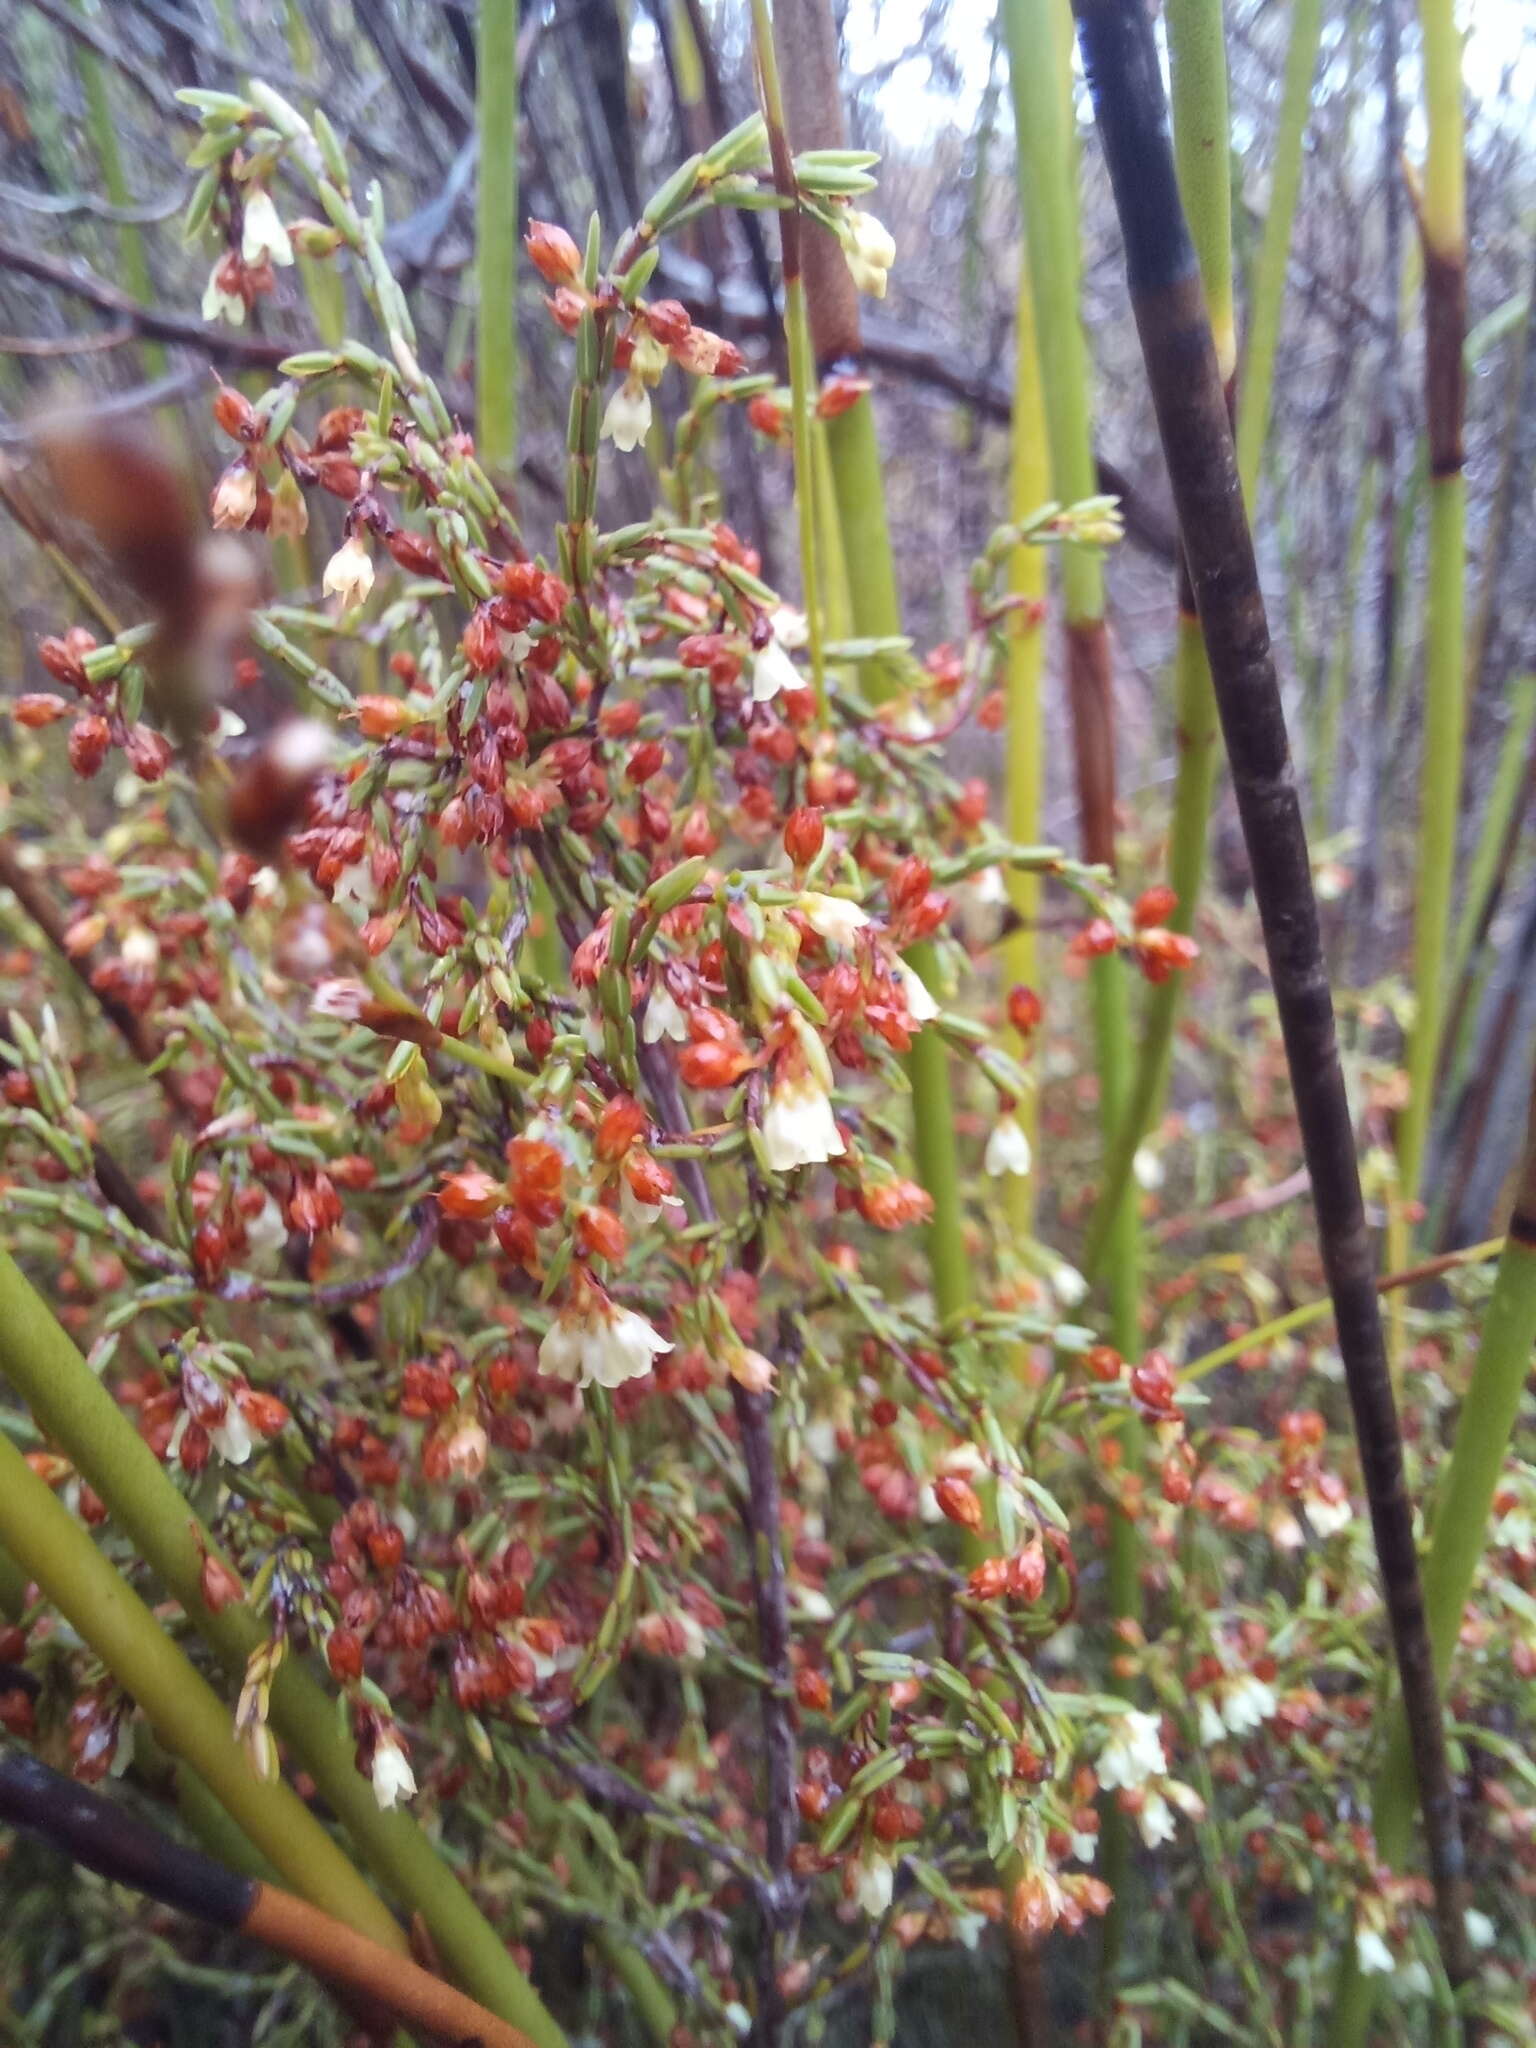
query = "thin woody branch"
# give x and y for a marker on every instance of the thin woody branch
(1120, 58)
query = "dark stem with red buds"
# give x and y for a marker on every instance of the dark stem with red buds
(1125, 81)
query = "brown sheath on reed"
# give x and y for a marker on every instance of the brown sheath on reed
(101, 1835)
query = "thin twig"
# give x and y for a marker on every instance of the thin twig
(222, 344)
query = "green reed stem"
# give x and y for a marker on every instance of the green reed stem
(1039, 40)
(1266, 298)
(873, 599)
(1202, 150)
(1029, 486)
(1442, 224)
(73, 1408)
(496, 222)
(1505, 794)
(103, 1609)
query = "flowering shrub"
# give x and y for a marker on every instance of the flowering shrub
(519, 1261)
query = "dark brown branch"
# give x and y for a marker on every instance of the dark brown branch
(1121, 62)
(222, 344)
(763, 1520)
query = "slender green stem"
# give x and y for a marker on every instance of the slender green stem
(1510, 778)
(1439, 813)
(1265, 1334)
(105, 1612)
(1340, 666)
(1442, 222)
(853, 448)
(1266, 298)
(1029, 486)
(1039, 39)
(101, 125)
(496, 112)
(1197, 49)
(1202, 149)
(73, 1408)
(797, 336)
(873, 600)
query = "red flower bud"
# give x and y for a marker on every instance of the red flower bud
(646, 760)
(768, 416)
(669, 322)
(1025, 1009)
(344, 1654)
(89, 738)
(233, 414)
(414, 552)
(218, 1585)
(805, 833)
(37, 708)
(600, 1235)
(552, 252)
(959, 1502)
(812, 1691)
(1154, 906)
(838, 394)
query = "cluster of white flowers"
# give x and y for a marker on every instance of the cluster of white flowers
(871, 1882)
(263, 239)
(1133, 1760)
(664, 1018)
(601, 1345)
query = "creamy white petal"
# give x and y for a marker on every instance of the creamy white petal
(1007, 1148)
(798, 1127)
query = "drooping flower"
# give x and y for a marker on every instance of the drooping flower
(1247, 1703)
(772, 671)
(600, 1345)
(231, 1437)
(234, 498)
(1132, 1753)
(832, 917)
(627, 418)
(664, 1018)
(263, 238)
(1007, 1148)
(219, 302)
(870, 1882)
(921, 1007)
(349, 573)
(869, 249)
(1156, 1820)
(1372, 1954)
(393, 1778)
(798, 1126)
